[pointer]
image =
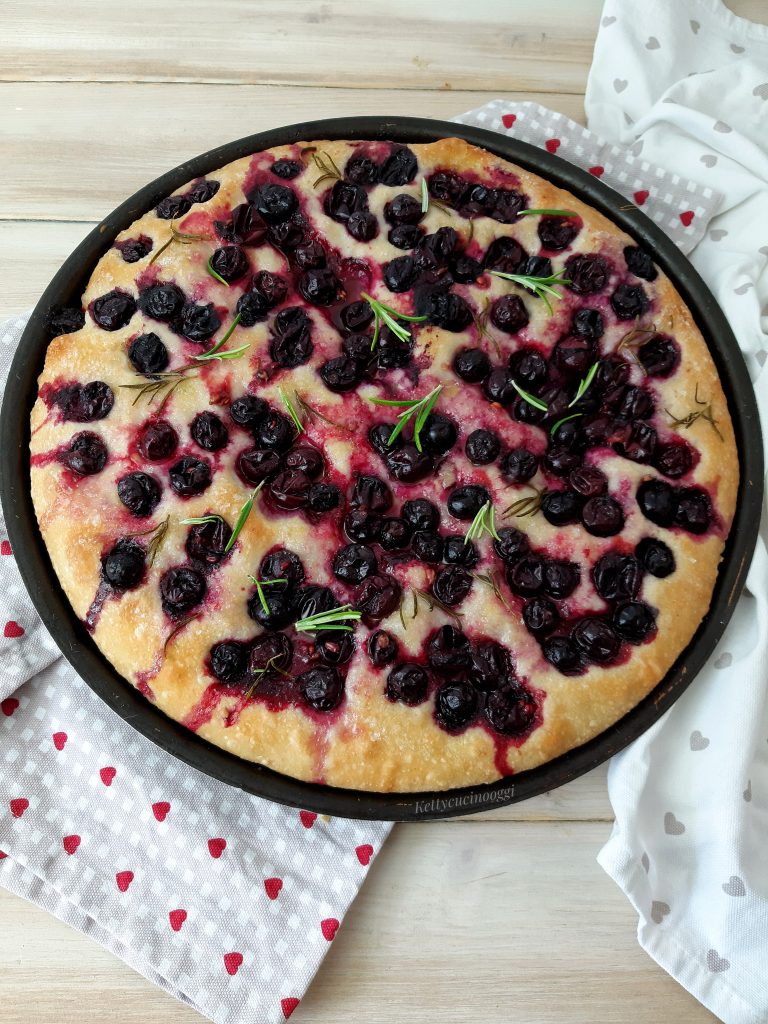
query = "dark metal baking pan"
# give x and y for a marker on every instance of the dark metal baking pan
(78, 647)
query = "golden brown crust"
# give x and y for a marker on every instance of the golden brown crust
(370, 743)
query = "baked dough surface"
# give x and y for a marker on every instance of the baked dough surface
(369, 742)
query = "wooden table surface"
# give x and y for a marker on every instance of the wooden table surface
(505, 915)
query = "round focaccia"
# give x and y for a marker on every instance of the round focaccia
(391, 468)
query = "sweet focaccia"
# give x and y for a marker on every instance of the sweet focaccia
(393, 468)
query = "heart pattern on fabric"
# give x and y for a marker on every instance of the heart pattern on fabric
(736, 48)
(5, 548)
(161, 809)
(552, 145)
(725, 660)
(708, 159)
(70, 844)
(59, 740)
(620, 84)
(759, 90)
(288, 1005)
(12, 630)
(597, 170)
(508, 120)
(715, 962)
(177, 919)
(232, 962)
(698, 742)
(308, 818)
(8, 706)
(659, 911)
(653, 43)
(734, 886)
(686, 218)
(107, 775)
(646, 863)
(695, 26)
(641, 196)
(747, 794)
(672, 826)
(123, 880)
(18, 806)
(272, 887)
(608, 20)
(743, 288)
(717, 234)
(364, 854)
(216, 847)
(329, 927)
(722, 127)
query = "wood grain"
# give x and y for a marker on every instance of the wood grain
(490, 923)
(134, 133)
(379, 44)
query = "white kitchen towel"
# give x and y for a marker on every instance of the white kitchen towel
(686, 84)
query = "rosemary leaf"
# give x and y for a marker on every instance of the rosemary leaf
(292, 412)
(222, 342)
(530, 399)
(434, 602)
(213, 273)
(175, 632)
(245, 511)
(260, 584)
(573, 416)
(334, 619)
(424, 196)
(550, 213)
(584, 385)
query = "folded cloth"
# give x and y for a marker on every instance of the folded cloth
(687, 84)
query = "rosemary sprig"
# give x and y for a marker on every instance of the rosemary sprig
(325, 163)
(529, 398)
(310, 411)
(491, 580)
(163, 384)
(389, 316)
(242, 517)
(635, 337)
(526, 507)
(213, 273)
(690, 418)
(156, 535)
(216, 353)
(484, 522)
(260, 584)
(584, 384)
(335, 619)
(270, 666)
(292, 412)
(573, 416)
(481, 324)
(549, 213)
(419, 407)
(177, 629)
(541, 287)
(424, 196)
(178, 236)
(632, 340)
(434, 602)
(427, 200)
(201, 520)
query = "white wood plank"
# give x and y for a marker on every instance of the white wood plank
(543, 45)
(75, 151)
(491, 923)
